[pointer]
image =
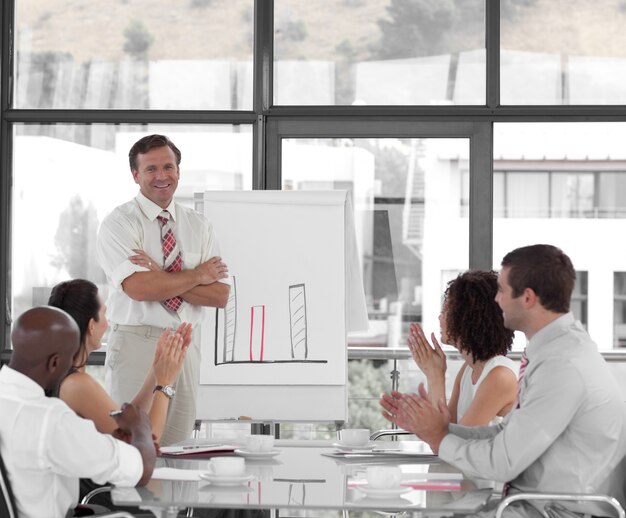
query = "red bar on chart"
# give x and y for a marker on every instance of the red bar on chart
(257, 332)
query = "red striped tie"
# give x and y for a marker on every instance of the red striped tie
(522, 370)
(172, 259)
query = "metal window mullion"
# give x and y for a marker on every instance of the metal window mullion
(6, 57)
(492, 47)
(273, 150)
(77, 116)
(340, 127)
(263, 55)
(481, 197)
(262, 87)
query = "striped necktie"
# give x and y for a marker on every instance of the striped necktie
(522, 370)
(172, 258)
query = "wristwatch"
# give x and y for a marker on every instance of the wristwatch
(168, 390)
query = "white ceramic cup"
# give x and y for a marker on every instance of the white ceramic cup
(355, 437)
(260, 443)
(383, 477)
(228, 466)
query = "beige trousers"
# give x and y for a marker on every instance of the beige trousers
(129, 356)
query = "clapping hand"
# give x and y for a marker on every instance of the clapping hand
(430, 359)
(170, 354)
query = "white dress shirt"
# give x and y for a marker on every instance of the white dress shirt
(46, 448)
(568, 434)
(134, 225)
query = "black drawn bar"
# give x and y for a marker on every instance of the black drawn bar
(230, 323)
(297, 322)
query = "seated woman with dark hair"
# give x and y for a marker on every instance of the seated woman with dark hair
(485, 388)
(84, 394)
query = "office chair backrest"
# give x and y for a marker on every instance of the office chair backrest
(8, 506)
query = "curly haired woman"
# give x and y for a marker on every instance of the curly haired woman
(485, 388)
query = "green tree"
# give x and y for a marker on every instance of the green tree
(138, 39)
(367, 381)
(46, 64)
(414, 28)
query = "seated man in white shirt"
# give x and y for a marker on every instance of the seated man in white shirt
(46, 447)
(566, 432)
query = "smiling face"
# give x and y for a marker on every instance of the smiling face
(157, 175)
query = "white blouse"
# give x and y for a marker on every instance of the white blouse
(468, 389)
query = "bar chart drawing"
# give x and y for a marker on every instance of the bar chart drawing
(297, 321)
(287, 358)
(230, 322)
(255, 350)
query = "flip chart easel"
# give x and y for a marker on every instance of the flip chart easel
(278, 351)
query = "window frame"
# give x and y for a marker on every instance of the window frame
(272, 123)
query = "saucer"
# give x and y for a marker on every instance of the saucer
(226, 481)
(374, 492)
(257, 454)
(366, 447)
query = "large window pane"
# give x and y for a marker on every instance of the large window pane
(563, 52)
(566, 193)
(517, 187)
(185, 54)
(412, 231)
(62, 189)
(345, 52)
(411, 225)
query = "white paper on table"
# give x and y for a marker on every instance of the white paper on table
(128, 494)
(177, 474)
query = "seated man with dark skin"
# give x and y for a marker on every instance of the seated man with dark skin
(46, 447)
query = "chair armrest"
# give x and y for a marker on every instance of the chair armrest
(567, 497)
(383, 433)
(94, 492)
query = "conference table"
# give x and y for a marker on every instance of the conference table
(302, 476)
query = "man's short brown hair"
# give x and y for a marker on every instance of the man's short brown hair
(546, 270)
(147, 143)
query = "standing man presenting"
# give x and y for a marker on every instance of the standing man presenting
(161, 260)
(566, 433)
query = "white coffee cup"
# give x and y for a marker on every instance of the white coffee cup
(383, 477)
(355, 437)
(260, 443)
(228, 466)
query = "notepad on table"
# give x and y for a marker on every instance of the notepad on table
(197, 449)
(379, 455)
